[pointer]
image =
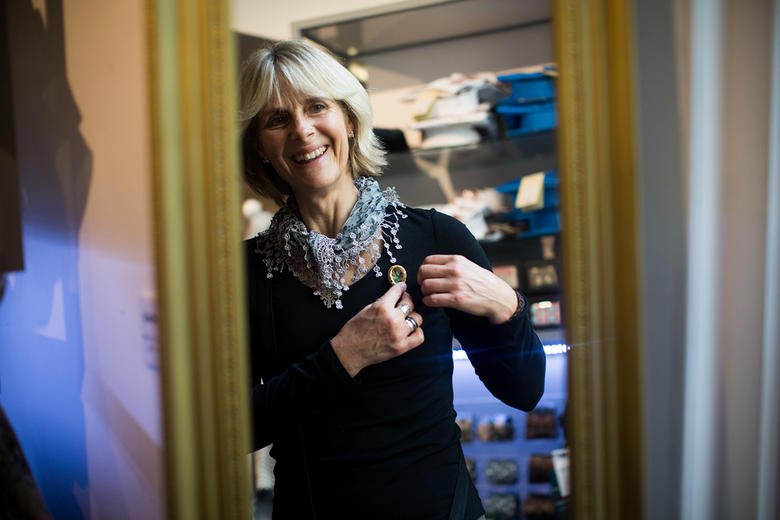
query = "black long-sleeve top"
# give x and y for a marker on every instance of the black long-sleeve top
(383, 444)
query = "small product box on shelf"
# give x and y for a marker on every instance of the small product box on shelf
(548, 196)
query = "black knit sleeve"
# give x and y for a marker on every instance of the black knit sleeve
(288, 397)
(508, 358)
(297, 394)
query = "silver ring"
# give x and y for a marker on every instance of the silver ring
(405, 309)
(412, 324)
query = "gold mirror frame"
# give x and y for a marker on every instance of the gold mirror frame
(200, 267)
(599, 209)
(199, 257)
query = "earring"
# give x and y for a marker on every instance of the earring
(351, 134)
(266, 161)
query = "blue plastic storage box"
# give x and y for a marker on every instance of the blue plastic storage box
(531, 117)
(527, 87)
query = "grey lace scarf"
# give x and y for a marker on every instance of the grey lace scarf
(322, 262)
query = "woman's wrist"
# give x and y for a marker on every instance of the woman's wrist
(521, 304)
(511, 306)
(340, 349)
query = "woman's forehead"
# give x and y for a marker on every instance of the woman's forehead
(284, 96)
(285, 100)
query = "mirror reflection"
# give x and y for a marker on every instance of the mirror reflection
(401, 216)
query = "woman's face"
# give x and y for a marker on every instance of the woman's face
(306, 140)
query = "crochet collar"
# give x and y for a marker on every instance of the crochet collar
(322, 262)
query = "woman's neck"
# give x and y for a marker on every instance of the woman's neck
(327, 212)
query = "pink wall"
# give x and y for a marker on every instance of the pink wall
(78, 380)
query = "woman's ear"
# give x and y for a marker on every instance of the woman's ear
(349, 119)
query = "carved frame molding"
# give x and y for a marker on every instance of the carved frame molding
(599, 206)
(202, 324)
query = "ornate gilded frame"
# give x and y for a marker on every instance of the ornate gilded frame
(199, 262)
(599, 206)
(200, 280)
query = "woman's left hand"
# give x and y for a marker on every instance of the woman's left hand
(457, 282)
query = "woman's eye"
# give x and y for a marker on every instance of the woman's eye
(319, 107)
(276, 120)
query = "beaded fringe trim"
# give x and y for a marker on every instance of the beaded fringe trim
(286, 244)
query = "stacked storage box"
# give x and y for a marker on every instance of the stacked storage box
(531, 107)
(543, 221)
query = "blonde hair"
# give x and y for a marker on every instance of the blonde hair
(298, 68)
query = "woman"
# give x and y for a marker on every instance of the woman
(352, 375)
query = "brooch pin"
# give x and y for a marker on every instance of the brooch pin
(396, 274)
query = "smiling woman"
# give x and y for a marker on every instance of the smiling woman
(358, 403)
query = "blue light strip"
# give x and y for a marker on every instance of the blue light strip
(556, 348)
(550, 350)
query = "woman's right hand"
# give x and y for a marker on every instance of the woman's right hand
(378, 332)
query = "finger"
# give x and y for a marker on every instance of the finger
(438, 285)
(428, 271)
(410, 325)
(417, 318)
(436, 269)
(405, 306)
(407, 299)
(439, 259)
(443, 299)
(415, 339)
(392, 295)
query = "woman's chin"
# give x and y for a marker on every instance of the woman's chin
(314, 181)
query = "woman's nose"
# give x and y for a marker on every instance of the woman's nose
(303, 126)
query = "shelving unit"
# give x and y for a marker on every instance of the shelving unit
(474, 400)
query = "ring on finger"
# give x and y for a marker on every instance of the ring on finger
(405, 309)
(412, 324)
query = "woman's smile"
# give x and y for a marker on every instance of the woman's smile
(309, 157)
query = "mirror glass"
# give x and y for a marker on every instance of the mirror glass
(464, 101)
